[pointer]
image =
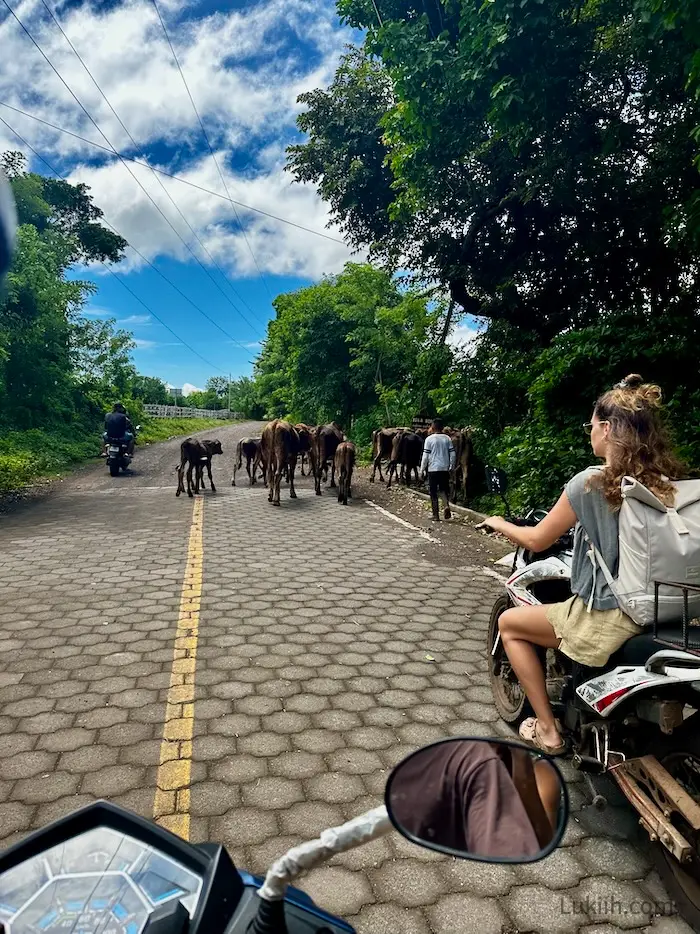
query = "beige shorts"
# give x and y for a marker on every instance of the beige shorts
(589, 638)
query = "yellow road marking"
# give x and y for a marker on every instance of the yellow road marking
(171, 807)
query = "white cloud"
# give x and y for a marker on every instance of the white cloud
(463, 336)
(145, 345)
(189, 388)
(135, 319)
(245, 81)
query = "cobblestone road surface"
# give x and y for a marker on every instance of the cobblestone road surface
(312, 680)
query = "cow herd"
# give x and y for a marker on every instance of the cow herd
(402, 448)
(320, 448)
(275, 455)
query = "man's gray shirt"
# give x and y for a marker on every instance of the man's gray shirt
(438, 454)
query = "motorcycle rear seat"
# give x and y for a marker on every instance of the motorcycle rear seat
(635, 652)
(639, 649)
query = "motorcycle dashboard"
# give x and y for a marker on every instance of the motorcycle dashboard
(102, 881)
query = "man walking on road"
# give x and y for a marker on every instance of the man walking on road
(439, 459)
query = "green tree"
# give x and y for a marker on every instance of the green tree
(355, 348)
(538, 158)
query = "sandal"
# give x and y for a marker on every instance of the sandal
(529, 734)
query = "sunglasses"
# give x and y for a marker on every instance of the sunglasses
(588, 426)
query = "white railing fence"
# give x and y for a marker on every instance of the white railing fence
(181, 411)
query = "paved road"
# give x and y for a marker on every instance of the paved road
(252, 674)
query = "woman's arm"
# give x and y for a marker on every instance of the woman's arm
(559, 520)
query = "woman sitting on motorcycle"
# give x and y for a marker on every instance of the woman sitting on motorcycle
(627, 431)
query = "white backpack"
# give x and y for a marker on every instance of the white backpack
(657, 543)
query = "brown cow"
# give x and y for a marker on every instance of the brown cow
(279, 448)
(197, 455)
(406, 451)
(382, 441)
(464, 449)
(326, 439)
(345, 464)
(305, 433)
(248, 448)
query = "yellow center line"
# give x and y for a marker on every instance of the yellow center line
(171, 807)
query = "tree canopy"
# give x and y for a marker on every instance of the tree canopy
(354, 346)
(536, 158)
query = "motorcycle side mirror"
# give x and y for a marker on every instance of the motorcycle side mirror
(490, 800)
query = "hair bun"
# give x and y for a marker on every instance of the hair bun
(633, 381)
(646, 395)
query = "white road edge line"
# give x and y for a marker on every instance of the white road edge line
(403, 522)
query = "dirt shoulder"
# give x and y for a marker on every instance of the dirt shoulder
(465, 546)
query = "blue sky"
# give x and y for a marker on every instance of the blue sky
(245, 64)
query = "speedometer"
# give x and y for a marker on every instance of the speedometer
(102, 881)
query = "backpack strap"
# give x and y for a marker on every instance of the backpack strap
(676, 521)
(598, 561)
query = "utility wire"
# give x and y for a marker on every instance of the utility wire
(177, 178)
(128, 168)
(108, 268)
(211, 150)
(155, 175)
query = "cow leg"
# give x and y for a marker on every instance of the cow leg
(180, 476)
(292, 468)
(317, 479)
(391, 472)
(211, 479)
(277, 484)
(190, 468)
(237, 464)
(333, 473)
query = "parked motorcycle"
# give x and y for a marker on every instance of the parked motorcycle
(635, 719)
(117, 454)
(104, 869)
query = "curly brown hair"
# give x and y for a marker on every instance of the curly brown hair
(640, 445)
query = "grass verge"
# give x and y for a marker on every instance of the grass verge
(160, 429)
(26, 456)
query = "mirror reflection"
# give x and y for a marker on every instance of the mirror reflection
(480, 799)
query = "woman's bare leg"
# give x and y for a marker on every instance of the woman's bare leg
(522, 628)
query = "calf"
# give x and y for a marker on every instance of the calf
(406, 450)
(196, 455)
(279, 449)
(382, 441)
(345, 464)
(326, 439)
(248, 448)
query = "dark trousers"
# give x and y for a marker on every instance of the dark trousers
(439, 482)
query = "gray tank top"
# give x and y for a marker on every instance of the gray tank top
(597, 521)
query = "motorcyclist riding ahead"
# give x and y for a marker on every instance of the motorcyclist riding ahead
(118, 427)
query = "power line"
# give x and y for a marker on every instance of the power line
(136, 179)
(176, 178)
(155, 175)
(211, 150)
(110, 270)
